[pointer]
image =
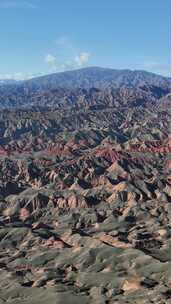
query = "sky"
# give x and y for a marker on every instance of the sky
(39, 37)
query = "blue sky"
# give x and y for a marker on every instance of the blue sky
(43, 36)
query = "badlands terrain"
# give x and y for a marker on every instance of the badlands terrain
(85, 188)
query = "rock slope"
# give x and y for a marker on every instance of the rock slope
(85, 198)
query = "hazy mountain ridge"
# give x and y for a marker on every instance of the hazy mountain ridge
(86, 86)
(99, 78)
(4, 82)
(92, 77)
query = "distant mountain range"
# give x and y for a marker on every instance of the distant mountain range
(98, 78)
(92, 77)
(91, 86)
(7, 82)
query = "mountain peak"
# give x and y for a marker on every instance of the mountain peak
(98, 77)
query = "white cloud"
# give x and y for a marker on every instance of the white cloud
(63, 41)
(50, 59)
(68, 58)
(16, 4)
(19, 76)
(10, 76)
(158, 67)
(82, 58)
(77, 58)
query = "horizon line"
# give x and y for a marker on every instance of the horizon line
(39, 75)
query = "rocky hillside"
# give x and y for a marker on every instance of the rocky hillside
(85, 194)
(17, 97)
(99, 78)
